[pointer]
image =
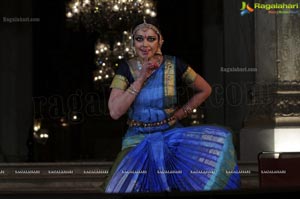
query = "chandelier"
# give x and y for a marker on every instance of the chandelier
(104, 15)
(112, 20)
(108, 56)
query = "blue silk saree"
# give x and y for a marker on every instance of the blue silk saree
(169, 156)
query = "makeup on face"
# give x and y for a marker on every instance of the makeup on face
(146, 43)
(141, 38)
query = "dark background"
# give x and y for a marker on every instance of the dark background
(46, 72)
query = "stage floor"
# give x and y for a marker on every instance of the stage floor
(256, 193)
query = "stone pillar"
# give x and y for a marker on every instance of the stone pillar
(287, 103)
(275, 96)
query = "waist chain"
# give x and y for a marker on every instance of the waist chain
(134, 123)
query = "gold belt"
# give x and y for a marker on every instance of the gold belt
(134, 123)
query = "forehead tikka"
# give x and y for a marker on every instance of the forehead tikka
(145, 25)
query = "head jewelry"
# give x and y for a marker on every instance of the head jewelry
(152, 27)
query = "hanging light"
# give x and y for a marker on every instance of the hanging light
(102, 15)
(41, 136)
(107, 57)
(112, 20)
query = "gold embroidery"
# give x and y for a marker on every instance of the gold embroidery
(189, 76)
(119, 82)
(169, 83)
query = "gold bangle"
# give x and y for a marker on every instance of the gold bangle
(131, 91)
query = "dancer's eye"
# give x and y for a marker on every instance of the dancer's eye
(151, 39)
(139, 38)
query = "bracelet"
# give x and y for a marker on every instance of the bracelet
(187, 110)
(132, 90)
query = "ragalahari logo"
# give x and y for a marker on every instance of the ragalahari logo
(246, 9)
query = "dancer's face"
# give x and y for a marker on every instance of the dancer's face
(146, 43)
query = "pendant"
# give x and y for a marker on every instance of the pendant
(139, 65)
